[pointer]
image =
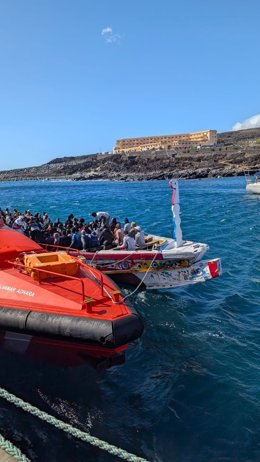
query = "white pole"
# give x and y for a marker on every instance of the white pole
(177, 232)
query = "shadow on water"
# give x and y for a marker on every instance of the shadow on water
(71, 394)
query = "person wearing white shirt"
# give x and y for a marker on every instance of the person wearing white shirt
(139, 238)
(128, 241)
(102, 216)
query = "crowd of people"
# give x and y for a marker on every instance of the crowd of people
(101, 232)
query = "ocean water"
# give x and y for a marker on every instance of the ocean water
(189, 389)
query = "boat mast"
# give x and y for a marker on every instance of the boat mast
(175, 201)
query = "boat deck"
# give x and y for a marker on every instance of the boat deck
(63, 294)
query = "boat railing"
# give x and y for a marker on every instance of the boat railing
(18, 264)
(248, 178)
(252, 178)
(77, 253)
(114, 296)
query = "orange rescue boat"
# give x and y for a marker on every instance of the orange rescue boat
(53, 298)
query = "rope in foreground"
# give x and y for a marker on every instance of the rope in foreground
(111, 449)
(12, 450)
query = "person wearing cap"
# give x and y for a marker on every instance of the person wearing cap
(139, 238)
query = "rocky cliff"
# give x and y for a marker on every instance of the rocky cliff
(235, 153)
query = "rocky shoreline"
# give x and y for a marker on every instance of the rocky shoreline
(236, 153)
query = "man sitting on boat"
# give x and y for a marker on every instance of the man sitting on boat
(118, 234)
(128, 241)
(139, 238)
(106, 238)
(127, 225)
(75, 239)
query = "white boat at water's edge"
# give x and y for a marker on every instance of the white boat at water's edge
(253, 184)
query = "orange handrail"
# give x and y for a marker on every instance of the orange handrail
(98, 281)
(95, 279)
(40, 270)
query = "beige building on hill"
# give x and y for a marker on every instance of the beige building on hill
(147, 143)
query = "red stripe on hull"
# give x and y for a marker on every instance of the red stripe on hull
(136, 256)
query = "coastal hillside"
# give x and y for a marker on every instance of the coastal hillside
(236, 152)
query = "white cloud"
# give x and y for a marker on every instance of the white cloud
(107, 30)
(109, 35)
(252, 122)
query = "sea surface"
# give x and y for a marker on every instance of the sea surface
(189, 389)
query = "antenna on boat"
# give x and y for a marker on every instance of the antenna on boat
(175, 201)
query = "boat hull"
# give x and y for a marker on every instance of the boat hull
(56, 296)
(201, 271)
(98, 332)
(162, 254)
(172, 278)
(253, 188)
(65, 353)
(156, 272)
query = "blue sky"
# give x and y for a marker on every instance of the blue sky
(76, 76)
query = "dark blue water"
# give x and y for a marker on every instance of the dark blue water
(189, 389)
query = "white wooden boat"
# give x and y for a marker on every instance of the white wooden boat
(156, 268)
(164, 263)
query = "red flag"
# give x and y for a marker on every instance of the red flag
(173, 192)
